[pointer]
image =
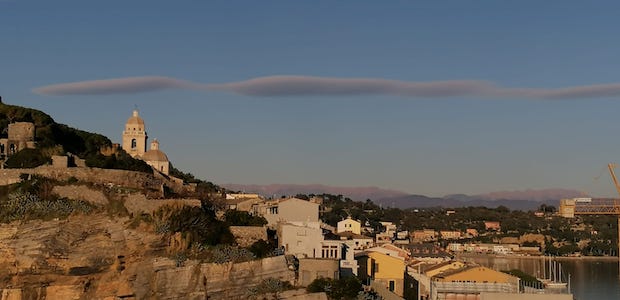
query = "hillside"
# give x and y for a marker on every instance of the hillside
(58, 139)
(75, 239)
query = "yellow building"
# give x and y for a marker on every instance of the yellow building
(443, 267)
(349, 224)
(476, 274)
(381, 268)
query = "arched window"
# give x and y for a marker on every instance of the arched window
(134, 144)
(12, 149)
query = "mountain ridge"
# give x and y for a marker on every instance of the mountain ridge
(527, 199)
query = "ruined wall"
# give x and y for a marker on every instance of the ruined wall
(21, 131)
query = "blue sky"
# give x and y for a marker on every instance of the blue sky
(435, 145)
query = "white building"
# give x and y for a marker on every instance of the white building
(291, 210)
(300, 240)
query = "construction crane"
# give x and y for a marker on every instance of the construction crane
(595, 206)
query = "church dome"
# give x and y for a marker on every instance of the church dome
(135, 119)
(154, 155)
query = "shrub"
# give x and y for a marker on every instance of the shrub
(226, 253)
(343, 288)
(200, 225)
(262, 249)
(27, 158)
(243, 218)
(27, 206)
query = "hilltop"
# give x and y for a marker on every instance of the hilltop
(53, 138)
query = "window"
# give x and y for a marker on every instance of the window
(391, 285)
(376, 267)
(1, 149)
(134, 144)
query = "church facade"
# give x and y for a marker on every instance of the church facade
(135, 140)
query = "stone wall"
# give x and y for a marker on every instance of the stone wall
(80, 192)
(313, 268)
(103, 176)
(138, 203)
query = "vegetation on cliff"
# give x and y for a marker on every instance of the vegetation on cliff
(32, 199)
(54, 138)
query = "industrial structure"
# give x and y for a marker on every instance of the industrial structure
(594, 206)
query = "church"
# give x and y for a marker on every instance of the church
(134, 143)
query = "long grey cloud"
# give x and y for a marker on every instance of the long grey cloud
(272, 86)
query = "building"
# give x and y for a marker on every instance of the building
(471, 232)
(425, 235)
(313, 268)
(334, 248)
(390, 228)
(20, 136)
(443, 267)
(383, 269)
(492, 225)
(134, 135)
(428, 253)
(450, 234)
(358, 241)
(237, 196)
(242, 204)
(349, 224)
(300, 240)
(471, 281)
(134, 143)
(156, 158)
(291, 210)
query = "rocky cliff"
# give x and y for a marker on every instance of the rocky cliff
(100, 256)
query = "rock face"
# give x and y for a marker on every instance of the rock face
(95, 257)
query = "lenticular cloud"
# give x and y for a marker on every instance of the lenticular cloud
(129, 85)
(276, 86)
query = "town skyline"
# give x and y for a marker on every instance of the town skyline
(423, 98)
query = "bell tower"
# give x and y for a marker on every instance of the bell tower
(134, 135)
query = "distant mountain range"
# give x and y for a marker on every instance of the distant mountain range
(520, 200)
(355, 193)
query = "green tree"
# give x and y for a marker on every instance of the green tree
(243, 218)
(343, 288)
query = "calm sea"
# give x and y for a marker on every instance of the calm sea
(590, 279)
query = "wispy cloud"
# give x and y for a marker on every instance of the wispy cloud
(273, 86)
(128, 85)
